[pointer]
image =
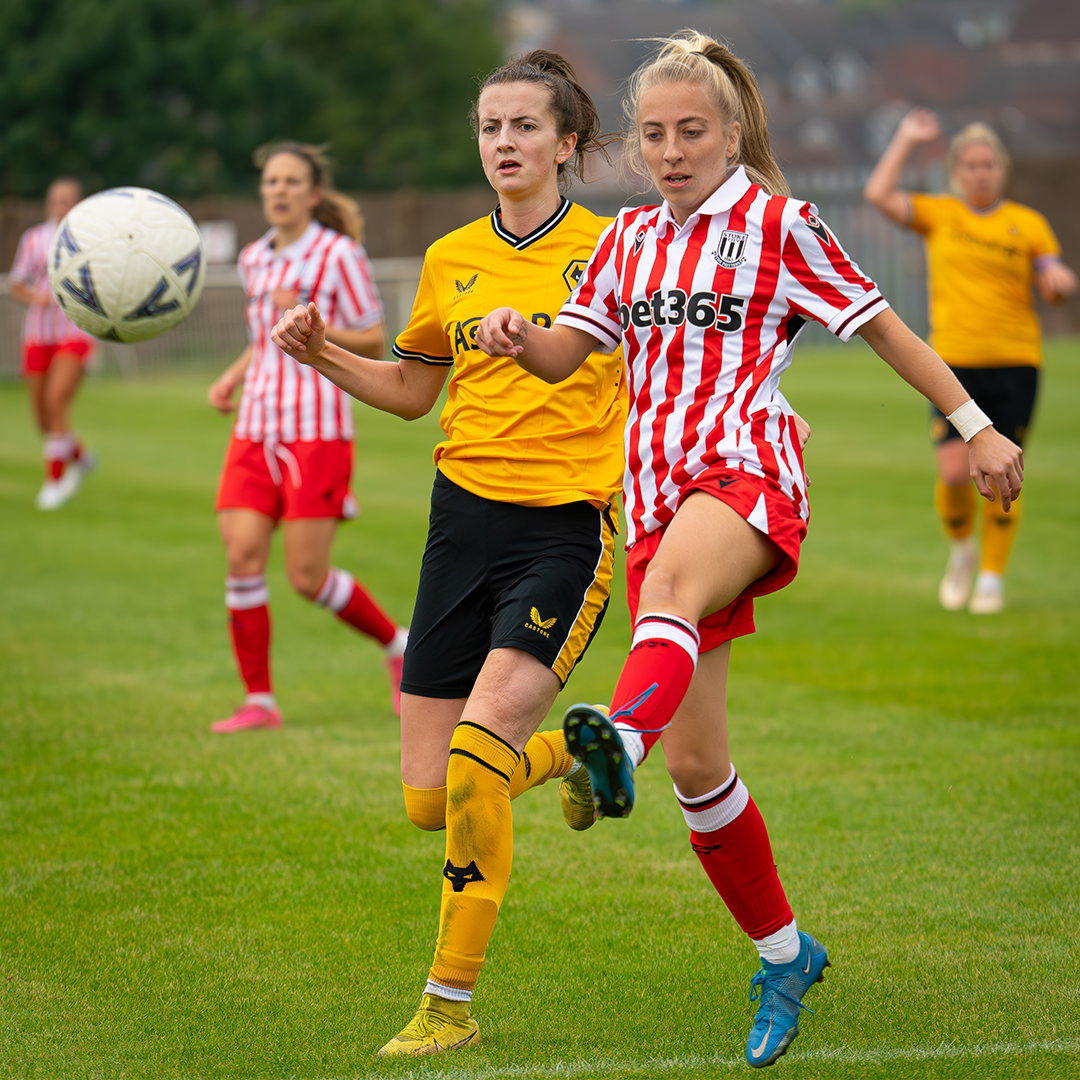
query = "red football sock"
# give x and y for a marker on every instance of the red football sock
(656, 675)
(352, 604)
(59, 450)
(729, 836)
(247, 599)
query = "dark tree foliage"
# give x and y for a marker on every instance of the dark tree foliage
(176, 94)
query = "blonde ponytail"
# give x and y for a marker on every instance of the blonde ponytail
(691, 57)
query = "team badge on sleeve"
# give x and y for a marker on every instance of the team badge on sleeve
(731, 251)
(818, 226)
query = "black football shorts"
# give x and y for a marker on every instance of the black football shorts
(1005, 394)
(497, 575)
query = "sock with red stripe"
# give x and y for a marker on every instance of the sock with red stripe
(58, 451)
(248, 600)
(729, 838)
(342, 594)
(654, 680)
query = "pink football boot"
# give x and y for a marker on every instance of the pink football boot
(247, 718)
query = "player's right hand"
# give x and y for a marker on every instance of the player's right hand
(919, 126)
(301, 333)
(220, 394)
(502, 332)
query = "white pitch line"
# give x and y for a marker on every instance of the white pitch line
(658, 1066)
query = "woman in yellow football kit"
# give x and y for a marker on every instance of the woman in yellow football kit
(518, 564)
(983, 253)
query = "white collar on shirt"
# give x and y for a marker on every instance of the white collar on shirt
(297, 248)
(722, 199)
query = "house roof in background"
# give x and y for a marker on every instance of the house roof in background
(836, 81)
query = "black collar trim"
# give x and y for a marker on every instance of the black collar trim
(519, 243)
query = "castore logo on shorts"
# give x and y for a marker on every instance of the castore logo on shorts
(541, 626)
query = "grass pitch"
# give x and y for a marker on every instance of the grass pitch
(174, 904)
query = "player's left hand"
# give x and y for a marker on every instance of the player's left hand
(301, 333)
(1055, 281)
(996, 465)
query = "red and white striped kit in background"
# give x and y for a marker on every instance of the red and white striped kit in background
(284, 401)
(47, 324)
(708, 313)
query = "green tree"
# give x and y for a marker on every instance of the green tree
(176, 95)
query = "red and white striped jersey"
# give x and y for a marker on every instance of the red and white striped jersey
(45, 325)
(284, 401)
(708, 313)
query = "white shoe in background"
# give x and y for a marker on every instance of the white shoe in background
(955, 587)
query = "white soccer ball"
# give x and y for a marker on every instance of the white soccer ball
(127, 264)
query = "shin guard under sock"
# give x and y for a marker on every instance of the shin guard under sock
(654, 678)
(729, 837)
(998, 534)
(955, 505)
(247, 599)
(479, 851)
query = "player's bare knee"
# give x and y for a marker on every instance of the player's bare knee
(660, 589)
(243, 559)
(306, 580)
(694, 776)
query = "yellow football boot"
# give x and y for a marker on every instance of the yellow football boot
(576, 800)
(439, 1024)
(576, 795)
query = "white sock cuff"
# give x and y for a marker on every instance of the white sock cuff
(265, 701)
(450, 992)
(245, 593)
(633, 743)
(716, 808)
(395, 647)
(336, 591)
(59, 447)
(658, 626)
(781, 947)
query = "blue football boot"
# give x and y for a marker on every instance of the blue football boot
(779, 988)
(594, 741)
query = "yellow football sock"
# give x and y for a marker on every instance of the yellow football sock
(956, 508)
(545, 757)
(426, 807)
(479, 851)
(999, 532)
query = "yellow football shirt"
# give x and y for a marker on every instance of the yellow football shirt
(510, 436)
(979, 269)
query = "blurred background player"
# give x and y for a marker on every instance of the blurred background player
(983, 253)
(290, 456)
(518, 565)
(55, 352)
(706, 294)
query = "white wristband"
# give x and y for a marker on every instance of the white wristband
(968, 420)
